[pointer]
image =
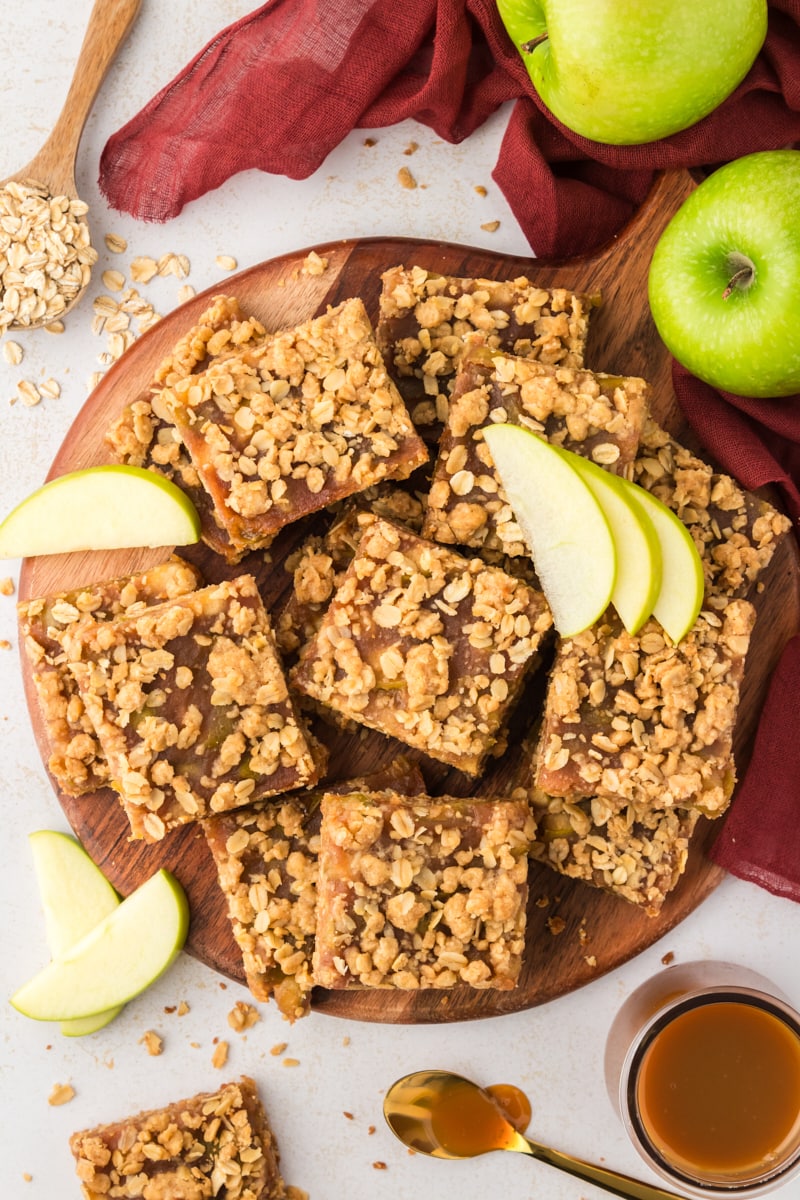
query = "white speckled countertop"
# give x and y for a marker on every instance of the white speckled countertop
(555, 1053)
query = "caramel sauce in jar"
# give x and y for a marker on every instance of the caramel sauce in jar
(717, 1091)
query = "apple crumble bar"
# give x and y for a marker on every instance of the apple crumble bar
(267, 859)
(424, 645)
(596, 415)
(213, 1144)
(289, 426)
(191, 708)
(426, 320)
(142, 436)
(75, 759)
(419, 892)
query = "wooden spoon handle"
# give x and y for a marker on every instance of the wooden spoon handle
(109, 24)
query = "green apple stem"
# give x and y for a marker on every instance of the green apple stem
(530, 46)
(743, 276)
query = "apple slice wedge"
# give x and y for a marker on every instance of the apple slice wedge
(639, 560)
(100, 508)
(680, 597)
(75, 897)
(564, 526)
(116, 960)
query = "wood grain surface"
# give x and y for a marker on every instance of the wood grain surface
(623, 339)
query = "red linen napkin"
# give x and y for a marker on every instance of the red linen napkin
(278, 89)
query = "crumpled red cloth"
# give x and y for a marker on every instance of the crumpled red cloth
(280, 88)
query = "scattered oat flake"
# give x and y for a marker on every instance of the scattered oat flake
(278, 1048)
(591, 959)
(226, 262)
(153, 1042)
(143, 269)
(55, 327)
(6, 586)
(28, 393)
(185, 292)
(50, 388)
(406, 179)
(243, 1016)
(491, 226)
(62, 1093)
(291, 1062)
(115, 243)
(556, 925)
(220, 1055)
(113, 280)
(481, 190)
(12, 353)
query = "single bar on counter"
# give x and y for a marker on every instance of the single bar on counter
(76, 760)
(143, 436)
(289, 426)
(597, 415)
(427, 321)
(424, 645)
(421, 892)
(267, 859)
(190, 704)
(213, 1144)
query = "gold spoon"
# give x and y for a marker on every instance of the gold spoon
(52, 170)
(448, 1116)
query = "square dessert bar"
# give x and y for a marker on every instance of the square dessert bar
(426, 321)
(596, 415)
(143, 436)
(267, 859)
(419, 892)
(319, 564)
(289, 426)
(636, 718)
(190, 706)
(629, 852)
(75, 759)
(213, 1144)
(424, 645)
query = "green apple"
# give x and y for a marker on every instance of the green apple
(625, 72)
(75, 896)
(564, 526)
(116, 960)
(723, 281)
(639, 572)
(100, 508)
(680, 597)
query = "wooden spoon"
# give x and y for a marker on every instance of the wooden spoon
(53, 168)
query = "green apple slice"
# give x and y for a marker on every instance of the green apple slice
(116, 960)
(682, 582)
(100, 508)
(75, 897)
(564, 526)
(639, 564)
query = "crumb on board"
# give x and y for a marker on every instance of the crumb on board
(278, 1049)
(556, 925)
(219, 1056)
(153, 1042)
(490, 226)
(243, 1016)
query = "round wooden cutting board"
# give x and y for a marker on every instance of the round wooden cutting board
(597, 931)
